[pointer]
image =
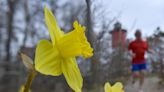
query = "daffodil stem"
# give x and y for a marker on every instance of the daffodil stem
(30, 77)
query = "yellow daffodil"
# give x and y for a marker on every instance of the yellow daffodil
(117, 87)
(58, 57)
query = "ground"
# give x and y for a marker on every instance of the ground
(151, 85)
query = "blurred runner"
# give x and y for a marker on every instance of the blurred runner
(137, 49)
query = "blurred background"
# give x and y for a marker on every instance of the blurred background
(110, 27)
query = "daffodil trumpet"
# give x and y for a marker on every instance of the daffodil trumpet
(58, 56)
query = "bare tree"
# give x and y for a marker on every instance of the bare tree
(11, 10)
(10, 20)
(95, 60)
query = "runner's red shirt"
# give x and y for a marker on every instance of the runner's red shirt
(138, 48)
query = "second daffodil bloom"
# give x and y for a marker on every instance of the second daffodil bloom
(117, 87)
(58, 57)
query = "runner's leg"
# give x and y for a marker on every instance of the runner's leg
(135, 72)
(135, 76)
(142, 75)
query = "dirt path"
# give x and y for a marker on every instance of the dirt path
(150, 85)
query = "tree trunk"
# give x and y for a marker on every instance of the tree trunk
(91, 39)
(7, 77)
(27, 19)
(9, 29)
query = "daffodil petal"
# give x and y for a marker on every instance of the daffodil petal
(108, 87)
(47, 59)
(72, 74)
(117, 87)
(75, 43)
(54, 29)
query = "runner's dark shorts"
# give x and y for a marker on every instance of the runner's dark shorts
(138, 67)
